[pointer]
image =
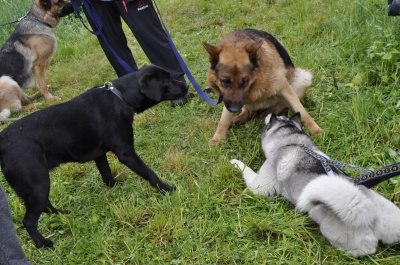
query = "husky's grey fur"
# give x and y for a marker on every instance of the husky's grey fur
(353, 218)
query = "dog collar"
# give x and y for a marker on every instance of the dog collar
(109, 86)
(42, 22)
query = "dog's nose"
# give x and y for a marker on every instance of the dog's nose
(233, 108)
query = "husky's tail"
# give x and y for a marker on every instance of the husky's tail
(301, 81)
(346, 200)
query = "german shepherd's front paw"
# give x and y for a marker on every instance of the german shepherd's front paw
(47, 95)
(215, 142)
(314, 129)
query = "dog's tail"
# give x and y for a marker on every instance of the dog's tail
(301, 81)
(346, 200)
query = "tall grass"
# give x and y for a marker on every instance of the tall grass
(351, 48)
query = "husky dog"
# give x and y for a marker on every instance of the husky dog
(26, 54)
(253, 72)
(353, 218)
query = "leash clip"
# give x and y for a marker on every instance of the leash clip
(110, 87)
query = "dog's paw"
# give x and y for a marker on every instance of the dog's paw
(45, 243)
(366, 246)
(315, 129)
(215, 142)
(238, 164)
(166, 188)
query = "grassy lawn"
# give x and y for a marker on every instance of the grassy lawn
(352, 48)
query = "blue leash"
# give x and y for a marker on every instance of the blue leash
(369, 179)
(99, 24)
(182, 63)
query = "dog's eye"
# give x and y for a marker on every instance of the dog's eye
(244, 83)
(226, 83)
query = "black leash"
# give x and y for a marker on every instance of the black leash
(373, 178)
(369, 179)
(12, 22)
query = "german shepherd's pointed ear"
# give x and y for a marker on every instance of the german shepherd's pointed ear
(252, 49)
(213, 53)
(296, 118)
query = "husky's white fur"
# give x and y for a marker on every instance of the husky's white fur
(353, 218)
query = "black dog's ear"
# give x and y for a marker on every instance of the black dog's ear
(153, 81)
(296, 118)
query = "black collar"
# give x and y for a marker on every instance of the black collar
(109, 86)
(42, 22)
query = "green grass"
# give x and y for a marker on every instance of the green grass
(350, 46)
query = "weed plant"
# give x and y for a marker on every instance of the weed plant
(352, 48)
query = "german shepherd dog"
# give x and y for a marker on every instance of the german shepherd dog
(80, 130)
(26, 54)
(353, 218)
(253, 72)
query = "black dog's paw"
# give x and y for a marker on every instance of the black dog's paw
(112, 183)
(166, 188)
(45, 243)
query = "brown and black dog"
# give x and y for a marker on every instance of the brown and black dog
(26, 54)
(253, 72)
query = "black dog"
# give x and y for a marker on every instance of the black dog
(82, 129)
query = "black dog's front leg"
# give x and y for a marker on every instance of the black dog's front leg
(133, 161)
(105, 171)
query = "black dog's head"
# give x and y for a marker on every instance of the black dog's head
(148, 86)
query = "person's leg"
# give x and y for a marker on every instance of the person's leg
(10, 249)
(114, 34)
(145, 25)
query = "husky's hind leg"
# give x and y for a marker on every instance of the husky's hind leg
(387, 225)
(355, 240)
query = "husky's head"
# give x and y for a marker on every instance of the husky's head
(281, 130)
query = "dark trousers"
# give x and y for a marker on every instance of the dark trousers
(10, 250)
(145, 25)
